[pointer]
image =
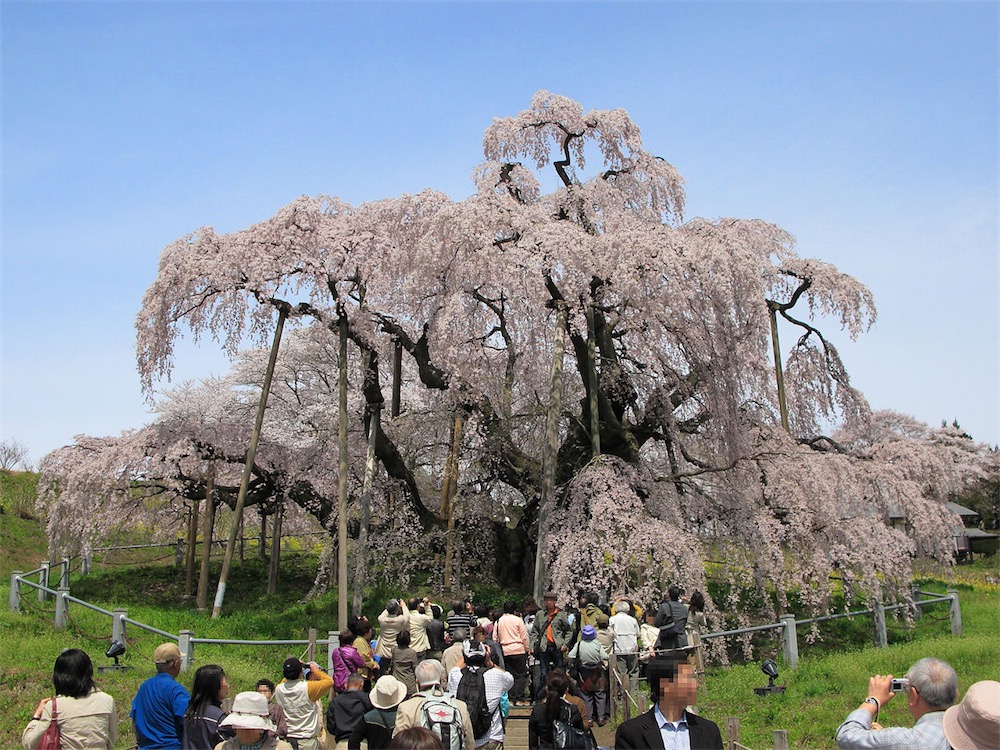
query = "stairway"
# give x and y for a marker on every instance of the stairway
(516, 732)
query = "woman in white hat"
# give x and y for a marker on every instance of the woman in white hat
(378, 724)
(252, 724)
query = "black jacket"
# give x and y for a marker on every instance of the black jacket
(345, 711)
(642, 733)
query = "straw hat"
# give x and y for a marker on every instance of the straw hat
(387, 693)
(975, 722)
(249, 712)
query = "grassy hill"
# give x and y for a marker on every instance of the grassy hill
(830, 680)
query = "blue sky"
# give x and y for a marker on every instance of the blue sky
(868, 130)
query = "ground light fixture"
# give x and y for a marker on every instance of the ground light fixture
(770, 668)
(116, 649)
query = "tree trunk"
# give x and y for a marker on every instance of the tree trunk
(551, 447)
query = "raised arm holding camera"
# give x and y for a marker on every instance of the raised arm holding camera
(929, 687)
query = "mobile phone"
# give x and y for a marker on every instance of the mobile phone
(898, 684)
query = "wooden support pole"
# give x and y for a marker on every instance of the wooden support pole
(397, 377)
(778, 371)
(450, 489)
(342, 480)
(207, 533)
(595, 416)
(192, 548)
(361, 551)
(220, 593)
(275, 561)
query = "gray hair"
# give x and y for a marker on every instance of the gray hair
(935, 681)
(428, 673)
(623, 606)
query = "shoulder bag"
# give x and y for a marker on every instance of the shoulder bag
(51, 739)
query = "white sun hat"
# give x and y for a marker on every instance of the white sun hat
(249, 712)
(387, 693)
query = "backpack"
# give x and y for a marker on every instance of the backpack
(439, 714)
(565, 736)
(472, 690)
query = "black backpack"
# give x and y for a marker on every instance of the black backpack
(472, 690)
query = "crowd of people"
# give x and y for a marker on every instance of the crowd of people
(436, 680)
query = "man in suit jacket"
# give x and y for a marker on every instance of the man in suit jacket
(672, 613)
(668, 724)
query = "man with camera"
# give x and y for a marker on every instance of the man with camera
(930, 686)
(304, 685)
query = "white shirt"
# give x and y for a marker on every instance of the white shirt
(626, 630)
(675, 734)
(497, 683)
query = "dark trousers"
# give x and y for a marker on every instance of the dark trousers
(550, 658)
(517, 665)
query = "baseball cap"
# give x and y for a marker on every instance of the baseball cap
(292, 668)
(166, 653)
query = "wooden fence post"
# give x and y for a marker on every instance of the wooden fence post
(790, 641)
(956, 613)
(732, 732)
(878, 622)
(781, 740)
(43, 579)
(14, 599)
(62, 615)
(614, 683)
(186, 648)
(179, 552)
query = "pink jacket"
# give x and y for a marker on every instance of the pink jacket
(511, 634)
(346, 661)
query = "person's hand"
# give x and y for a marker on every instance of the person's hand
(878, 688)
(40, 706)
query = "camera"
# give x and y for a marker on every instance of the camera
(898, 684)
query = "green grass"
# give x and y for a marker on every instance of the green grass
(826, 687)
(17, 493)
(830, 681)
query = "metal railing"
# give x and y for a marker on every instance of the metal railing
(185, 639)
